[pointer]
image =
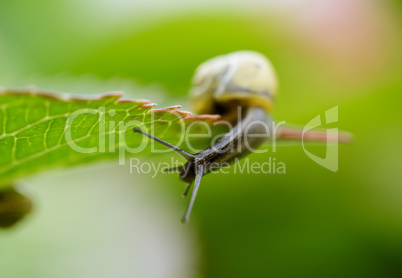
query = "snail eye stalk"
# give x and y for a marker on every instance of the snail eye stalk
(198, 175)
(199, 171)
(183, 153)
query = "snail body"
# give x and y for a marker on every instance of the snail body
(240, 81)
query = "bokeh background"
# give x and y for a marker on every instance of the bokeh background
(102, 221)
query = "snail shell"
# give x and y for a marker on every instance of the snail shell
(242, 78)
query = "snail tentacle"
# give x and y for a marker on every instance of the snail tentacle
(198, 176)
(183, 153)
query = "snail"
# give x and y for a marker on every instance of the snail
(242, 80)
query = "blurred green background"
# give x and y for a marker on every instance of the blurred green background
(101, 221)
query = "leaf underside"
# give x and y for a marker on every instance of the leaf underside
(33, 128)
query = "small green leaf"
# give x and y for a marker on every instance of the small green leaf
(41, 130)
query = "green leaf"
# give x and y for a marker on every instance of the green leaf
(42, 130)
